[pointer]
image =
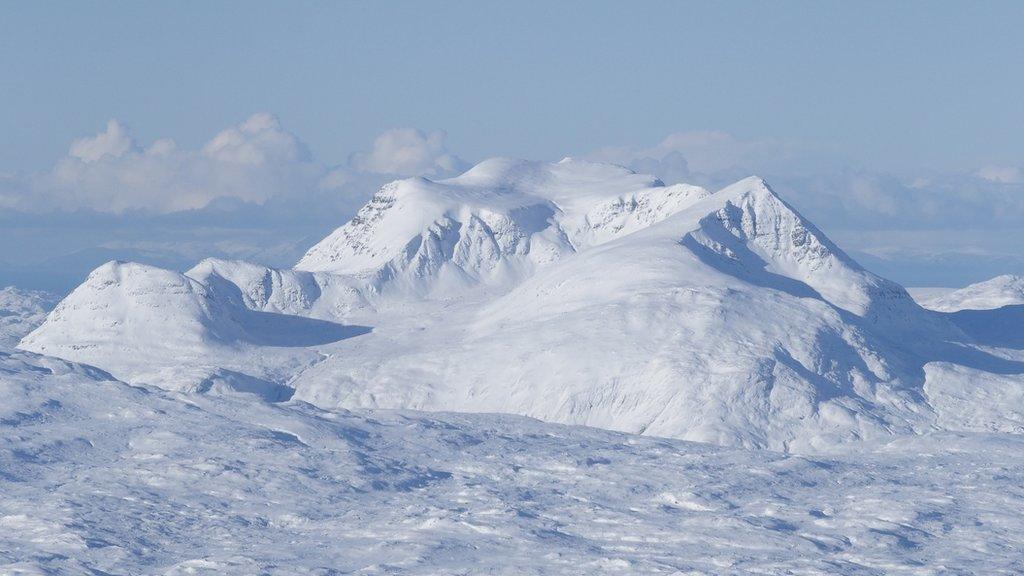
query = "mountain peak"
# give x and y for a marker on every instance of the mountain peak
(752, 183)
(140, 277)
(495, 222)
(755, 187)
(756, 234)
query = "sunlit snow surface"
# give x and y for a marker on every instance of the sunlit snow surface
(213, 435)
(100, 477)
(994, 293)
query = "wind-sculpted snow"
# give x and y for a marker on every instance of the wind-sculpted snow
(105, 478)
(572, 292)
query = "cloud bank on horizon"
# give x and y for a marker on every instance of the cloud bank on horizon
(259, 160)
(254, 161)
(938, 229)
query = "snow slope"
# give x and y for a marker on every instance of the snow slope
(990, 312)
(995, 293)
(572, 292)
(101, 477)
(21, 311)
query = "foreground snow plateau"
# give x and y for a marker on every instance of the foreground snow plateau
(98, 476)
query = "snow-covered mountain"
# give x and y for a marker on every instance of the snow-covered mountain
(495, 225)
(572, 292)
(732, 321)
(1000, 291)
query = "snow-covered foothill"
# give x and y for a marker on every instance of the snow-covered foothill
(149, 325)
(997, 292)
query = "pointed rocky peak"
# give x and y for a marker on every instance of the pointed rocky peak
(754, 213)
(750, 226)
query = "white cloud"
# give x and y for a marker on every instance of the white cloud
(254, 161)
(257, 174)
(109, 172)
(706, 151)
(114, 142)
(872, 201)
(868, 193)
(259, 140)
(408, 152)
(692, 154)
(833, 198)
(1001, 174)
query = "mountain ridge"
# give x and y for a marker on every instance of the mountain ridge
(583, 293)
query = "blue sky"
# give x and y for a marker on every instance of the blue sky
(903, 118)
(889, 85)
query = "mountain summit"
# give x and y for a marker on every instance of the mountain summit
(494, 225)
